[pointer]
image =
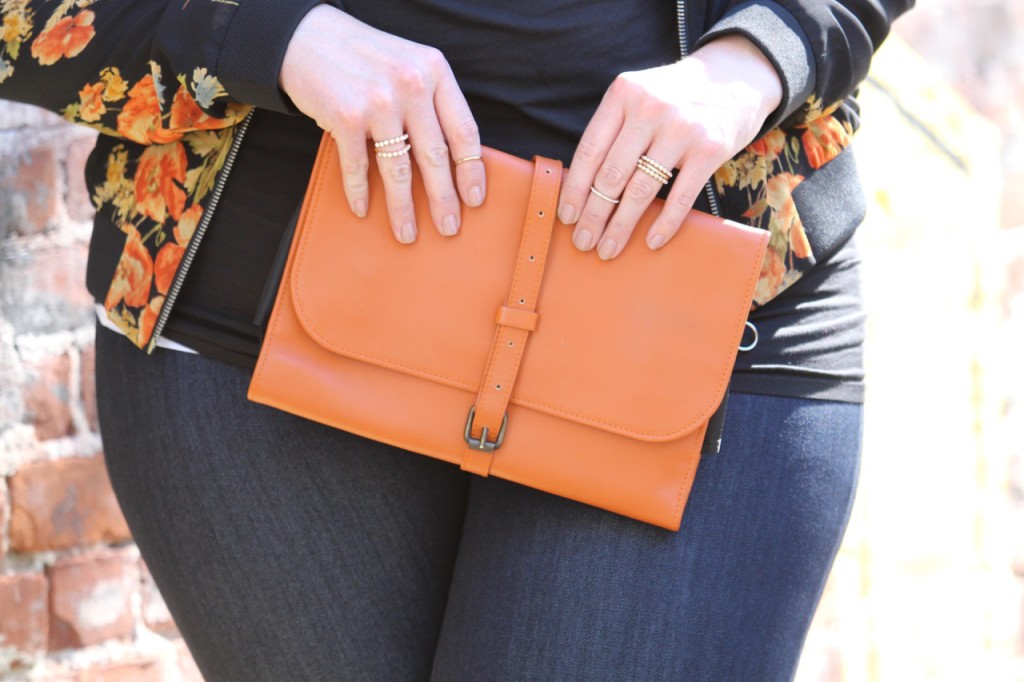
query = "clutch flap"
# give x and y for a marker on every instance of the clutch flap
(642, 345)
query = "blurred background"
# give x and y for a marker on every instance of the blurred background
(929, 583)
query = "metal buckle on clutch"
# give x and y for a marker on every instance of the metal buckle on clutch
(482, 443)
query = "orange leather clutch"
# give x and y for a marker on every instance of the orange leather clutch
(506, 350)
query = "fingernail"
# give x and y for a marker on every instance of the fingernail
(583, 240)
(567, 214)
(606, 249)
(361, 208)
(408, 233)
(450, 225)
(476, 195)
(655, 241)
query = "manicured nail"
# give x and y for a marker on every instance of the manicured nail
(567, 214)
(408, 233)
(450, 225)
(655, 241)
(361, 208)
(583, 240)
(606, 249)
(476, 195)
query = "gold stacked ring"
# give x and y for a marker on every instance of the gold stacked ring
(469, 158)
(380, 144)
(398, 152)
(654, 169)
(604, 196)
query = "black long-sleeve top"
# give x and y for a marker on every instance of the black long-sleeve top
(171, 83)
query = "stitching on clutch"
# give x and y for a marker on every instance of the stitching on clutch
(544, 196)
(551, 199)
(521, 401)
(531, 208)
(387, 362)
(311, 328)
(495, 349)
(704, 415)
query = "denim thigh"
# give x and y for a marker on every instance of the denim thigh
(285, 550)
(548, 589)
(290, 550)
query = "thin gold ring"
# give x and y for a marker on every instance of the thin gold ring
(399, 152)
(469, 158)
(604, 196)
(654, 164)
(378, 144)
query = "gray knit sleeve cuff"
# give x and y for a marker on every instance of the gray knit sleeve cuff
(254, 45)
(779, 36)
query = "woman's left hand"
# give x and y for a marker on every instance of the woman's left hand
(693, 116)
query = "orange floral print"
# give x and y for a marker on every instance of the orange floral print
(92, 106)
(115, 87)
(785, 220)
(187, 224)
(773, 275)
(814, 108)
(66, 38)
(824, 139)
(159, 181)
(147, 321)
(134, 275)
(186, 114)
(141, 119)
(15, 28)
(167, 266)
(759, 184)
(146, 191)
(182, 128)
(770, 146)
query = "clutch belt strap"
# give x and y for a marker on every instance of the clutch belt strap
(488, 419)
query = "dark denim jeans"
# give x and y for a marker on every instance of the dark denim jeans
(287, 550)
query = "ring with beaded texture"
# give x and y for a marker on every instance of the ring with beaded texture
(380, 144)
(654, 169)
(657, 166)
(399, 152)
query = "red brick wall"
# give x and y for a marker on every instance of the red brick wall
(76, 601)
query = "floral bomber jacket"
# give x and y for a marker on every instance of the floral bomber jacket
(171, 85)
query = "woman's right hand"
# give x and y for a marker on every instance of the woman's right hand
(357, 83)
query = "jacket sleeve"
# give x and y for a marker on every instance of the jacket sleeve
(145, 70)
(821, 48)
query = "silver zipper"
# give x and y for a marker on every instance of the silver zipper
(684, 52)
(193, 245)
(684, 40)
